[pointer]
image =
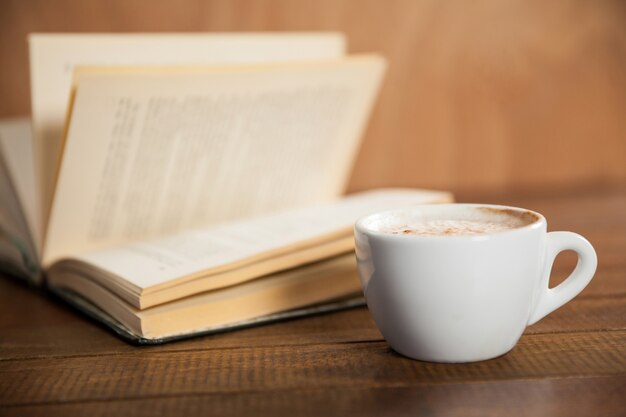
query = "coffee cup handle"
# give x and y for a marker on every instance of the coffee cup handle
(549, 299)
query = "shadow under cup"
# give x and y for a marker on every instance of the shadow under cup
(452, 297)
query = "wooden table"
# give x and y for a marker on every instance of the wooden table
(54, 361)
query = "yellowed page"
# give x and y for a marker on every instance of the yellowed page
(54, 56)
(153, 263)
(322, 282)
(151, 154)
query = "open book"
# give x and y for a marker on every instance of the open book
(173, 185)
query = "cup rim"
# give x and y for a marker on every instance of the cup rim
(361, 228)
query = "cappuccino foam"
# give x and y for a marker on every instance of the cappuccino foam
(452, 221)
(455, 227)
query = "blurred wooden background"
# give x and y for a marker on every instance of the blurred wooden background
(502, 94)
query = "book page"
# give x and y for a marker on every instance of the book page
(54, 56)
(153, 263)
(152, 153)
(287, 294)
(16, 145)
(17, 251)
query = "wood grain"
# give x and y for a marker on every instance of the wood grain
(594, 396)
(269, 368)
(56, 330)
(73, 335)
(479, 95)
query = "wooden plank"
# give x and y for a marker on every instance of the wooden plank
(606, 284)
(571, 397)
(82, 337)
(584, 314)
(148, 374)
(33, 326)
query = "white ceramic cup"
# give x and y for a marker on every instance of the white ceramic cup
(463, 298)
